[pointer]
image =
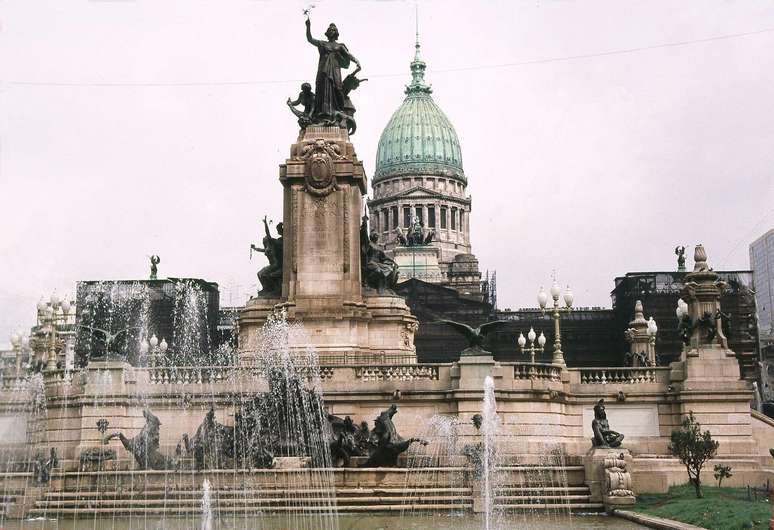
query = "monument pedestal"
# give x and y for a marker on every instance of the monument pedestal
(707, 379)
(419, 262)
(608, 477)
(324, 184)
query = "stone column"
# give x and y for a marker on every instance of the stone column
(324, 183)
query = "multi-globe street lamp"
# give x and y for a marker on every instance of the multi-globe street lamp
(532, 350)
(50, 316)
(20, 343)
(556, 315)
(155, 348)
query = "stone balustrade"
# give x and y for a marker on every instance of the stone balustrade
(360, 359)
(192, 375)
(405, 372)
(547, 372)
(622, 375)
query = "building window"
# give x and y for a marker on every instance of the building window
(394, 217)
(454, 218)
(431, 216)
(462, 220)
(385, 220)
(406, 216)
(418, 210)
(443, 217)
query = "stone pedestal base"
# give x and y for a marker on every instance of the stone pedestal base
(379, 330)
(709, 385)
(251, 319)
(418, 262)
(290, 462)
(608, 477)
(324, 183)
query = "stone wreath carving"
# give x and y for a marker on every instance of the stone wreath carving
(320, 175)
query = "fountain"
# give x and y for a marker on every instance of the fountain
(275, 433)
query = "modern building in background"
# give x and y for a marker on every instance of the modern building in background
(419, 179)
(591, 336)
(762, 265)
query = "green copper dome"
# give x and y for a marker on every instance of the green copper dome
(419, 139)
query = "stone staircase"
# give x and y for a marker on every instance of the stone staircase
(170, 494)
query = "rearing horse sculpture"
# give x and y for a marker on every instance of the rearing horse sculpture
(145, 446)
(386, 443)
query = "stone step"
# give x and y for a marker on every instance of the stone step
(588, 506)
(542, 498)
(262, 492)
(240, 510)
(541, 488)
(105, 503)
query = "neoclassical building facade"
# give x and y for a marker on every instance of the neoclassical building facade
(419, 176)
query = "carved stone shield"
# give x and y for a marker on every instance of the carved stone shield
(320, 174)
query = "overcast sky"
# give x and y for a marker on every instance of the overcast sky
(595, 135)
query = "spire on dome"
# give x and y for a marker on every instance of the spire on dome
(418, 66)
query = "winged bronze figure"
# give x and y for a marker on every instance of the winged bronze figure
(474, 336)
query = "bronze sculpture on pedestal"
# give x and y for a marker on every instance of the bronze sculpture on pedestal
(378, 271)
(475, 337)
(270, 276)
(603, 436)
(329, 104)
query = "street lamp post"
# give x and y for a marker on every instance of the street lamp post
(556, 314)
(532, 350)
(50, 316)
(155, 348)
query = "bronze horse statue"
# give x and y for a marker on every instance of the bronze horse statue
(145, 446)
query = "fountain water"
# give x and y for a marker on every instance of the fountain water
(435, 474)
(489, 427)
(206, 506)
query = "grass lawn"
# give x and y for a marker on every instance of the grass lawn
(720, 509)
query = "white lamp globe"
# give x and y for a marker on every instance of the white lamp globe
(521, 340)
(542, 298)
(555, 290)
(163, 345)
(154, 341)
(652, 327)
(568, 297)
(542, 339)
(531, 335)
(66, 306)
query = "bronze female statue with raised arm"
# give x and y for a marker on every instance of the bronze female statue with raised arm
(329, 94)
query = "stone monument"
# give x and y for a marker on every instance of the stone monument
(606, 464)
(707, 379)
(323, 285)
